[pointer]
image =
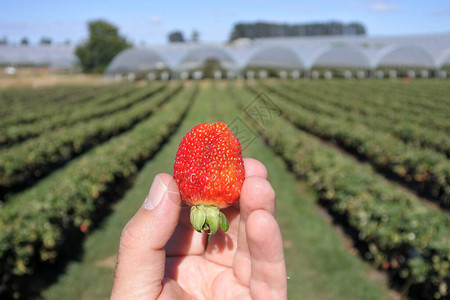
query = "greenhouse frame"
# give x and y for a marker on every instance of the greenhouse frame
(52, 56)
(346, 56)
(294, 57)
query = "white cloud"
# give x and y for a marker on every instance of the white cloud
(155, 20)
(382, 7)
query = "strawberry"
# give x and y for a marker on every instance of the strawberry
(209, 172)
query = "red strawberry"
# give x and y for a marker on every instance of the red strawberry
(209, 172)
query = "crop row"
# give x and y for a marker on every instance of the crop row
(396, 106)
(376, 95)
(93, 109)
(428, 169)
(428, 95)
(59, 208)
(22, 101)
(12, 97)
(39, 108)
(430, 109)
(373, 117)
(396, 231)
(377, 104)
(25, 162)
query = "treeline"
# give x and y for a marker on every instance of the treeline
(262, 29)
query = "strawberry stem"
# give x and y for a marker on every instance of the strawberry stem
(208, 217)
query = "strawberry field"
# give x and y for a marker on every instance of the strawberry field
(361, 170)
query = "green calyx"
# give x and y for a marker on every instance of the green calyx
(208, 217)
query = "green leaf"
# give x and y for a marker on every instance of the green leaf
(212, 219)
(198, 218)
(224, 222)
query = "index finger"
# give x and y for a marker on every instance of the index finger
(254, 168)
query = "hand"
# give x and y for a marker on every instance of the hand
(161, 256)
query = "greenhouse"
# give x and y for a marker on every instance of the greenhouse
(138, 62)
(405, 56)
(54, 57)
(346, 56)
(444, 59)
(342, 57)
(275, 57)
(196, 57)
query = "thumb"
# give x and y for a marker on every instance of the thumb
(141, 260)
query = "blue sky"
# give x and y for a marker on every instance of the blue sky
(150, 21)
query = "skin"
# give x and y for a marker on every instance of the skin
(161, 256)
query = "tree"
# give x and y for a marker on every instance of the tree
(103, 45)
(4, 41)
(24, 41)
(195, 36)
(176, 37)
(45, 41)
(356, 28)
(262, 29)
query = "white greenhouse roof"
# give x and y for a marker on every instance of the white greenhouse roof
(275, 56)
(364, 52)
(342, 56)
(430, 51)
(137, 60)
(405, 55)
(60, 56)
(195, 57)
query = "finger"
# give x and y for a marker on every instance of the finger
(254, 168)
(257, 194)
(268, 268)
(141, 259)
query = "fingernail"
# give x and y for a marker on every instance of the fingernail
(156, 193)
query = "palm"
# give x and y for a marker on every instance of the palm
(204, 279)
(211, 272)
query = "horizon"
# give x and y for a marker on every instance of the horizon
(150, 23)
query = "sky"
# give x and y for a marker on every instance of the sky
(148, 22)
